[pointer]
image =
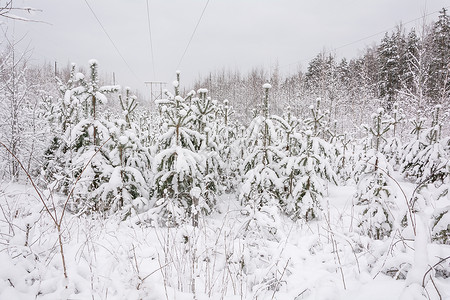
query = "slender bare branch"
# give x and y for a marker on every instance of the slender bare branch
(32, 182)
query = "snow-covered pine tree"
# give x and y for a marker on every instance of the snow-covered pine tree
(414, 91)
(207, 124)
(317, 123)
(227, 133)
(438, 82)
(148, 123)
(290, 143)
(288, 128)
(85, 140)
(304, 188)
(263, 184)
(127, 188)
(67, 109)
(426, 161)
(307, 168)
(390, 69)
(239, 151)
(393, 147)
(413, 147)
(360, 149)
(430, 167)
(375, 194)
(345, 160)
(325, 136)
(178, 166)
(261, 193)
(62, 115)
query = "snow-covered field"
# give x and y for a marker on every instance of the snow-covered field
(228, 256)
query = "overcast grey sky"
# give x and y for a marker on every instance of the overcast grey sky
(232, 34)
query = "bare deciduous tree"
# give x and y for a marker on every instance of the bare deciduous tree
(8, 9)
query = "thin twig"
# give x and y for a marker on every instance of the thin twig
(437, 290)
(431, 268)
(156, 270)
(31, 180)
(281, 277)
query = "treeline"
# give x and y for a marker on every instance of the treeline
(407, 67)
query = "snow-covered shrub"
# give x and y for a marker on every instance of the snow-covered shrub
(127, 186)
(238, 152)
(441, 225)
(226, 134)
(261, 262)
(392, 149)
(426, 159)
(317, 122)
(289, 126)
(307, 174)
(375, 194)
(178, 165)
(413, 147)
(263, 184)
(207, 123)
(62, 115)
(306, 166)
(345, 160)
(375, 199)
(89, 160)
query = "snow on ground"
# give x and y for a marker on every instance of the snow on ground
(229, 256)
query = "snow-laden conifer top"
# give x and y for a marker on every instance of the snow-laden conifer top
(195, 192)
(183, 112)
(79, 76)
(123, 139)
(267, 86)
(191, 93)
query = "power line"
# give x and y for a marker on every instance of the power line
(381, 32)
(151, 43)
(368, 37)
(193, 33)
(110, 39)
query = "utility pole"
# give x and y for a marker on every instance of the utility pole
(156, 89)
